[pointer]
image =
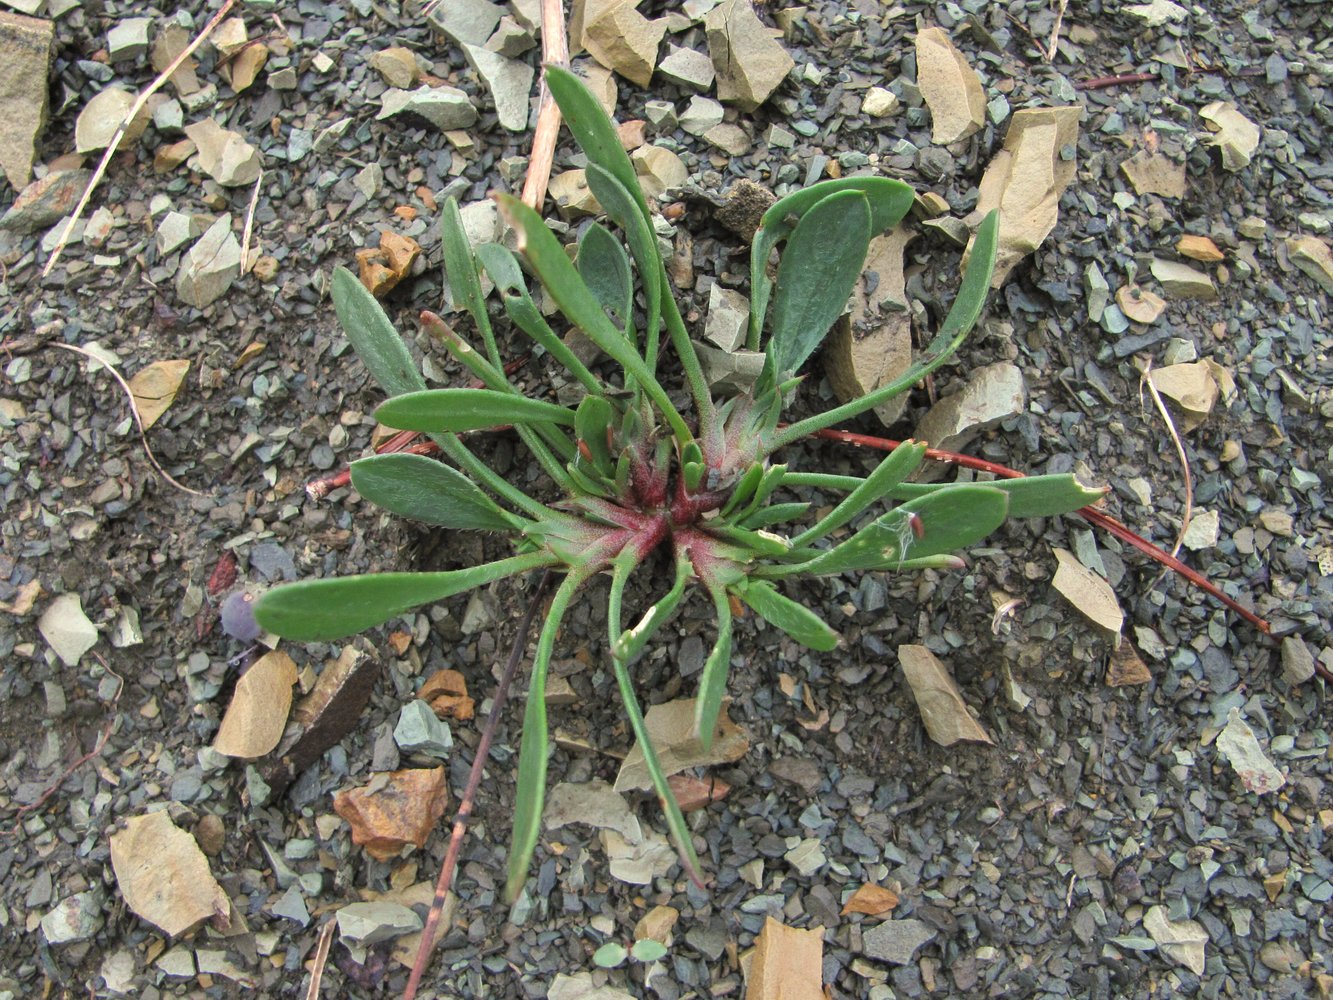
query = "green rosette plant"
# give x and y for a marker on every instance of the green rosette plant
(631, 474)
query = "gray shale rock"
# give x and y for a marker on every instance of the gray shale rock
(508, 80)
(444, 107)
(896, 941)
(210, 266)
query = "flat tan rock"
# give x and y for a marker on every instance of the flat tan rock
(1155, 173)
(993, 393)
(938, 699)
(258, 711)
(24, 71)
(749, 62)
(872, 345)
(164, 876)
(1199, 248)
(1192, 387)
(1180, 281)
(671, 728)
(660, 170)
(97, 122)
(625, 41)
(787, 964)
(1312, 255)
(1139, 304)
(950, 86)
(1235, 136)
(397, 66)
(224, 155)
(572, 196)
(1025, 181)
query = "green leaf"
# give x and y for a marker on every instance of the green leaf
(819, 268)
(621, 208)
(533, 751)
(440, 410)
(547, 257)
(503, 268)
(647, 950)
(889, 201)
(795, 619)
(944, 522)
(630, 643)
(900, 463)
(744, 488)
(324, 610)
(775, 514)
(594, 131)
(423, 489)
(461, 269)
(373, 337)
(611, 955)
(592, 421)
(713, 683)
(604, 265)
(1030, 496)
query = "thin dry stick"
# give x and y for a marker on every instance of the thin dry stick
(1054, 46)
(321, 958)
(555, 51)
(249, 225)
(134, 411)
(138, 106)
(446, 878)
(1184, 463)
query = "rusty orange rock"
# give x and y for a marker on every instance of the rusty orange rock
(397, 808)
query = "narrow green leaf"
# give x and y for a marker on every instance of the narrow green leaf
(759, 543)
(440, 410)
(795, 619)
(543, 251)
(423, 489)
(630, 643)
(502, 266)
(777, 513)
(621, 208)
(373, 337)
(713, 682)
(647, 950)
(592, 421)
(900, 463)
(533, 751)
(461, 269)
(594, 131)
(604, 265)
(323, 610)
(819, 267)
(744, 488)
(610, 955)
(889, 201)
(1031, 496)
(944, 522)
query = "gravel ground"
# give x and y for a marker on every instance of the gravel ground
(1030, 868)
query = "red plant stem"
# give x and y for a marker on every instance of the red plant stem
(1102, 82)
(465, 804)
(1089, 514)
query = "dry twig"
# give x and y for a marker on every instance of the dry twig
(1054, 45)
(138, 106)
(134, 411)
(246, 262)
(321, 958)
(1145, 380)
(555, 51)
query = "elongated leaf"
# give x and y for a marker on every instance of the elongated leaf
(680, 832)
(533, 751)
(944, 522)
(775, 514)
(604, 265)
(439, 410)
(713, 682)
(795, 619)
(822, 262)
(744, 489)
(621, 208)
(899, 464)
(630, 643)
(889, 200)
(1031, 496)
(539, 245)
(594, 131)
(423, 489)
(461, 269)
(323, 610)
(373, 337)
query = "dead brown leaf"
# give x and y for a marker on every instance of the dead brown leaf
(1091, 595)
(258, 711)
(397, 808)
(872, 900)
(788, 964)
(154, 388)
(671, 728)
(942, 707)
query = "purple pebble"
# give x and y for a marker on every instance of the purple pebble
(238, 617)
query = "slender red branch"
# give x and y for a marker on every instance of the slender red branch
(469, 798)
(1102, 82)
(1089, 514)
